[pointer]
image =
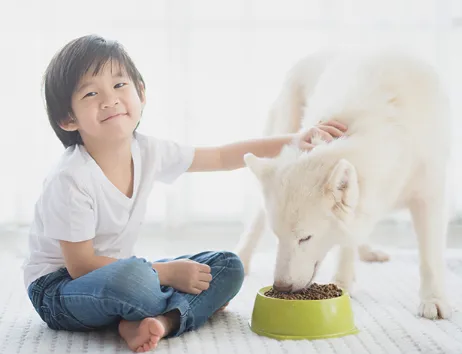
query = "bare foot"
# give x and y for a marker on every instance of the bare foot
(143, 335)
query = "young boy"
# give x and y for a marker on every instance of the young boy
(82, 274)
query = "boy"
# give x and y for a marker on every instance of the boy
(82, 274)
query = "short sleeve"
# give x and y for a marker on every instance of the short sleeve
(68, 212)
(169, 158)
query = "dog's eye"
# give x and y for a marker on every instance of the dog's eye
(307, 238)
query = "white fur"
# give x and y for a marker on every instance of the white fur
(394, 156)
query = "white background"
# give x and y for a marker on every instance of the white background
(212, 70)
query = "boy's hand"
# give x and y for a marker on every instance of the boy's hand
(186, 275)
(328, 131)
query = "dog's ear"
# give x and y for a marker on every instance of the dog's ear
(342, 186)
(261, 167)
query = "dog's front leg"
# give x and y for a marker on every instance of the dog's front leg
(430, 226)
(345, 275)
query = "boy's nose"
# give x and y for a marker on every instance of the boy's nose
(110, 105)
(110, 101)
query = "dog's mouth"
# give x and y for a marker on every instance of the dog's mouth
(316, 267)
(289, 289)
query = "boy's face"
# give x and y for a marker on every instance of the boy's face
(106, 107)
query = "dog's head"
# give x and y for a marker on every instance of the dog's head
(309, 203)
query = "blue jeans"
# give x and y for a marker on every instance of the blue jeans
(129, 289)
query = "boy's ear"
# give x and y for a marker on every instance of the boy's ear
(69, 124)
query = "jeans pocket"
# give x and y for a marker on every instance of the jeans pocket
(63, 321)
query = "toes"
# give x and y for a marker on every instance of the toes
(148, 346)
(153, 342)
(435, 309)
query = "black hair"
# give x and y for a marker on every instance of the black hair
(66, 69)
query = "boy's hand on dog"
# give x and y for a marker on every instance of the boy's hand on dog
(327, 131)
(186, 275)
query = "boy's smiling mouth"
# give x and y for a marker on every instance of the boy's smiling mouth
(113, 116)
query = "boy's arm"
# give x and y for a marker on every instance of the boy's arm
(80, 259)
(231, 156)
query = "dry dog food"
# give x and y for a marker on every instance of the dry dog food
(314, 292)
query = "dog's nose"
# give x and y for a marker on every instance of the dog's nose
(282, 288)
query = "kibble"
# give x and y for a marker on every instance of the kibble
(314, 292)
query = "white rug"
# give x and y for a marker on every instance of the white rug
(384, 304)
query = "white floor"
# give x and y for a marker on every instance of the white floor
(384, 302)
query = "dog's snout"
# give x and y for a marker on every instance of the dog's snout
(282, 288)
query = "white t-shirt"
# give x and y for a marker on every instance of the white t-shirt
(79, 203)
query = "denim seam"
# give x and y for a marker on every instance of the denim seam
(214, 278)
(106, 298)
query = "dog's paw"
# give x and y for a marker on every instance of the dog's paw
(373, 256)
(345, 286)
(435, 309)
(344, 282)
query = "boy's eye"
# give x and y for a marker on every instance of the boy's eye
(90, 94)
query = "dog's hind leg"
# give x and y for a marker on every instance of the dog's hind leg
(430, 224)
(249, 239)
(367, 254)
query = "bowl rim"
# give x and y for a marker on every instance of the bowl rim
(261, 292)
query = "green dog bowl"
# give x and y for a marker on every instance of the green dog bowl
(302, 319)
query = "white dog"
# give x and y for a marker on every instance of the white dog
(394, 156)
